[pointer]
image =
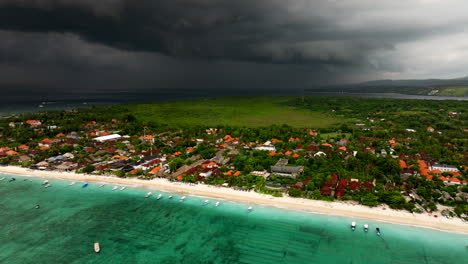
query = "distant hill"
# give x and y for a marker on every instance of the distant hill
(456, 87)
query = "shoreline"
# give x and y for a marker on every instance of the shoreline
(380, 213)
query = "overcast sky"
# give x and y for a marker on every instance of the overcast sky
(82, 45)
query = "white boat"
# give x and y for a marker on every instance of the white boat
(102, 185)
(123, 188)
(159, 196)
(170, 197)
(148, 194)
(353, 226)
(2, 179)
(115, 188)
(45, 182)
(249, 209)
(48, 185)
(366, 227)
(182, 198)
(97, 248)
(206, 202)
(72, 183)
(217, 204)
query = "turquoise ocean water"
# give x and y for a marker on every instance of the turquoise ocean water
(133, 229)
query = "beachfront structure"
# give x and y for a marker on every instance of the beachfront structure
(281, 168)
(107, 138)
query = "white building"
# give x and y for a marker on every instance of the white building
(107, 138)
(270, 148)
(444, 168)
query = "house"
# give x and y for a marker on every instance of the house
(23, 147)
(11, 153)
(281, 169)
(343, 142)
(430, 129)
(263, 174)
(42, 165)
(155, 170)
(147, 138)
(24, 158)
(66, 166)
(5, 149)
(33, 123)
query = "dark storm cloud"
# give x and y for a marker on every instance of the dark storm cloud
(260, 31)
(293, 43)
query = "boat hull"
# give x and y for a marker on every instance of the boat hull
(97, 248)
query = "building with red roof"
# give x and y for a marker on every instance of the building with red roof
(11, 153)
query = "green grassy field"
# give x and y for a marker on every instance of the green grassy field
(233, 111)
(454, 91)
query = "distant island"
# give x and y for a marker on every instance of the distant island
(408, 154)
(457, 87)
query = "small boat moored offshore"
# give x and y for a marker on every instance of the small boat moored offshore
(366, 227)
(148, 194)
(182, 198)
(206, 202)
(123, 188)
(1, 179)
(115, 188)
(249, 209)
(377, 231)
(12, 179)
(217, 204)
(159, 196)
(170, 196)
(97, 248)
(47, 185)
(45, 182)
(72, 183)
(84, 185)
(102, 185)
(353, 226)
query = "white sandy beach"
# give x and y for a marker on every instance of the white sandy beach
(380, 213)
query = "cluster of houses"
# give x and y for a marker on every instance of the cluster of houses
(106, 150)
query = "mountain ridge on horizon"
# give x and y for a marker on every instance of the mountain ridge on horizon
(412, 81)
(431, 86)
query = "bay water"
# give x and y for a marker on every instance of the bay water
(133, 229)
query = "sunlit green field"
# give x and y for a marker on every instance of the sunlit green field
(233, 111)
(454, 91)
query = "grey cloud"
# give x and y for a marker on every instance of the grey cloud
(307, 41)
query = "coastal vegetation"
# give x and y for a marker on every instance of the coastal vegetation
(408, 154)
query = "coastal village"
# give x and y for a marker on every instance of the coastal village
(300, 163)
